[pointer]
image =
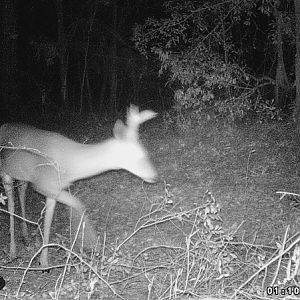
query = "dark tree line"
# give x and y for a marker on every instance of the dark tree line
(213, 58)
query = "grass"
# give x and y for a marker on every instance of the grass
(214, 227)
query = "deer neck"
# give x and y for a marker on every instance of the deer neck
(90, 160)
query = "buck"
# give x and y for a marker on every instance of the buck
(51, 162)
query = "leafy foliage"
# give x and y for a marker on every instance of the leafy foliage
(194, 44)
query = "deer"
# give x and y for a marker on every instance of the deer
(51, 162)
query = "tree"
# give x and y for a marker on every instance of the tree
(195, 45)
(282, 86)
(8, 57)
(205, 46)
(297, 63)
(62, 54)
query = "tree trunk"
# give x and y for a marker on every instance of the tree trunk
(282, 87)
(113, 69)
(297, 64)
(8, 60)
(85, 66)
(103, 89)
(63, 59)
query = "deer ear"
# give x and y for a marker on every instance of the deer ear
(119, 130)
(147, 115)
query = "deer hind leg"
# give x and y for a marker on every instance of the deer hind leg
(7, 182)
(22, 192)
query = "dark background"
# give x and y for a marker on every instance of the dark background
(104, 70)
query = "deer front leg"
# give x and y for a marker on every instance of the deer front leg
(50, 206)
(88, 237)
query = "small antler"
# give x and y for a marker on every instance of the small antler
(135, 118)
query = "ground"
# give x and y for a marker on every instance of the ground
(242, 167)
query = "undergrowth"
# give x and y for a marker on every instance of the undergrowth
(204, 259)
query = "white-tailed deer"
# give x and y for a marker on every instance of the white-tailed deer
(51, 162)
